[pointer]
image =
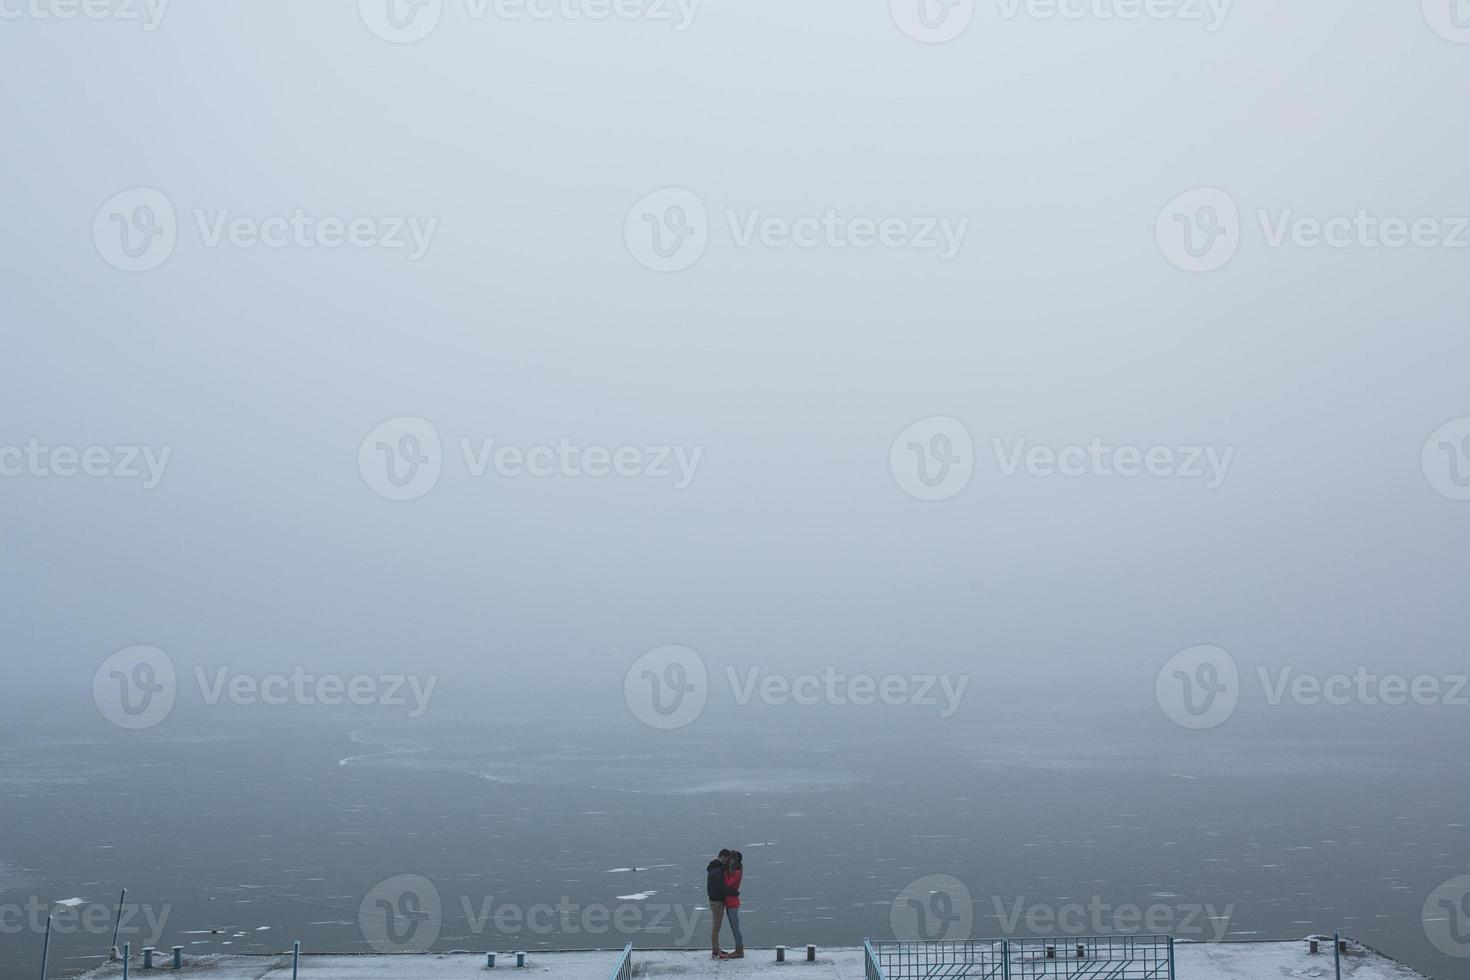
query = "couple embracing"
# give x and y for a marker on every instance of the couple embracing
(722, 885)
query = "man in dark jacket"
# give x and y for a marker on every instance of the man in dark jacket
(714, 886)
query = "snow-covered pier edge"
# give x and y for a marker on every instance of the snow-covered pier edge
(1248, 960)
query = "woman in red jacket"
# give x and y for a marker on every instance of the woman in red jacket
(734, 872)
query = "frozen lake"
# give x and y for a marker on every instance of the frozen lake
(235, 836)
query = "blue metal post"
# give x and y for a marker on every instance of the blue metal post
(624, 969)
(117, 927)
(489, 961)
(295, 959)
(1005, 952)
(127, 955)
(46, 948)
(1337, 953)
(178, 957)
(1171, 958)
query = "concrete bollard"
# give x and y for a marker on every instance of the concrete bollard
(811, 953)
(489, 961)
(178, 957)
(520, 959)
(148, 952)
(780, 954)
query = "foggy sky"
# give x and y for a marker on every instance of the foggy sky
(528, 320)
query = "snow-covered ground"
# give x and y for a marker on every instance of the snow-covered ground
(1216, 961)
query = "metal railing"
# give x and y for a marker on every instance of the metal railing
(1113, 957)
(624, 968)
(1075, 958)
(982, 959)
(871, 969)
